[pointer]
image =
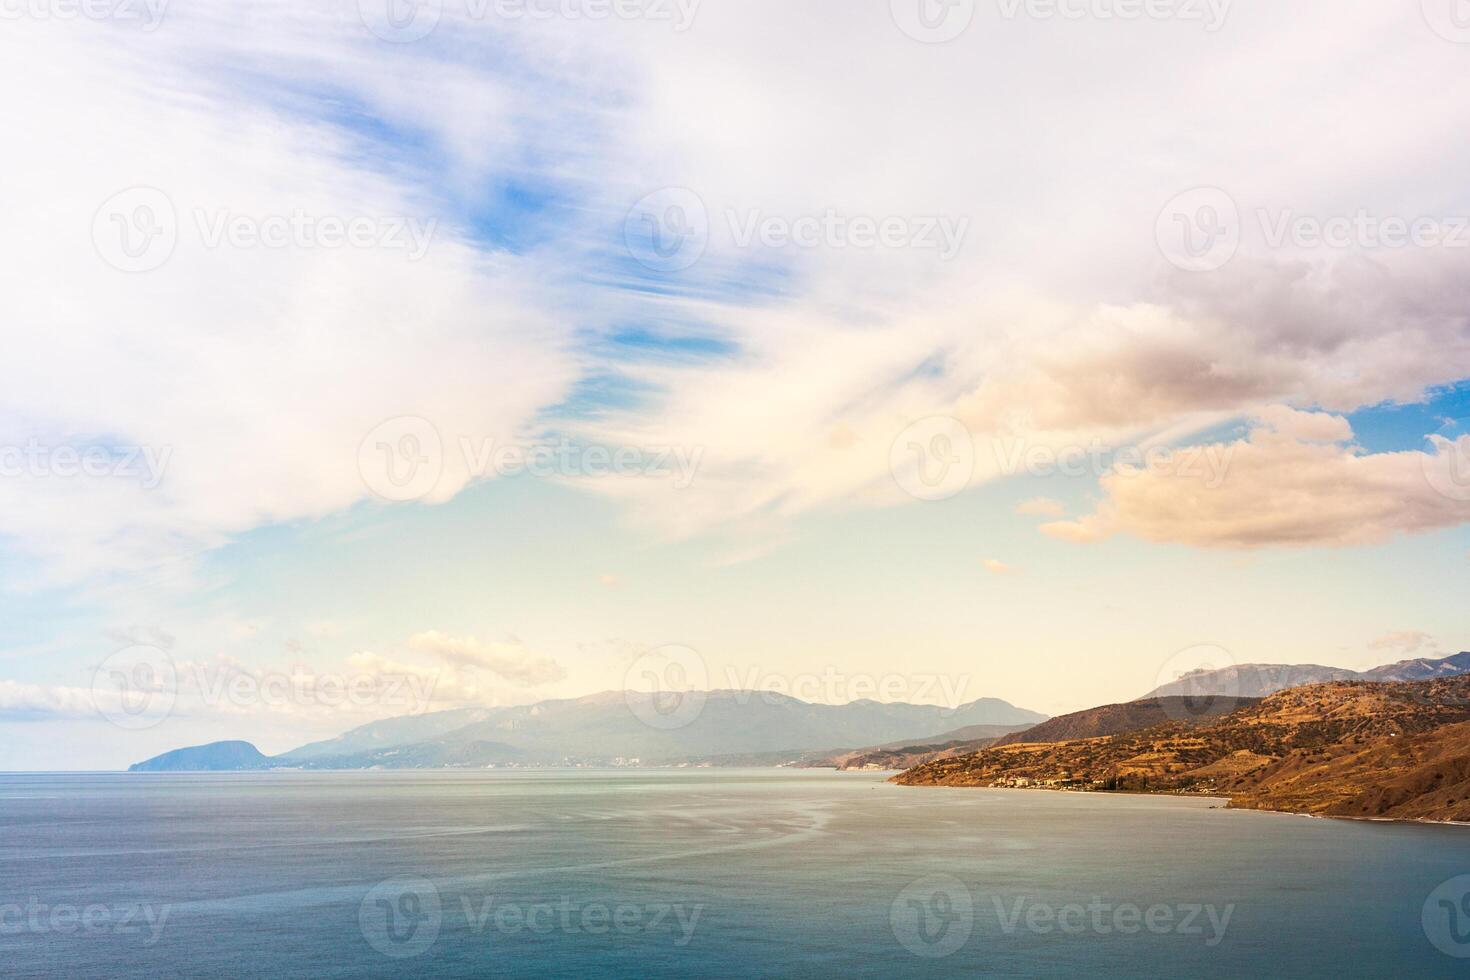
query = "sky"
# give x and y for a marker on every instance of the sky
(375, 357)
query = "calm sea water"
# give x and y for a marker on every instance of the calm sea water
(699, 874)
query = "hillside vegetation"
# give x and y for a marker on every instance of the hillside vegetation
(1362, 749)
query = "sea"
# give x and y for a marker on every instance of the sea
(701, 873)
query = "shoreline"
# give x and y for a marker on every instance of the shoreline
(1416, 821)
(1226, 800)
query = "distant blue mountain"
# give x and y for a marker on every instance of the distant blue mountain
(216, 757)
(1261, 680)
(730, 728)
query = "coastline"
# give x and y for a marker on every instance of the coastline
(1226, 802)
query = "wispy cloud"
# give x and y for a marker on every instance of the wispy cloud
(508, 660)
(1405, 642)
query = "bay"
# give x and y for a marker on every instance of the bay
(696, 873)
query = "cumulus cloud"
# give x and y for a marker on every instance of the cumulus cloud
(998, 567)
(1305, 426)
(1405, 642)
(1295, 481)
(1061, 324)
(509, 660)
(1071, 341)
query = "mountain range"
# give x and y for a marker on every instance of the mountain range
(616, 728)
(1259, 680)
(765, 728)
(1359, 748)
(1196, 698)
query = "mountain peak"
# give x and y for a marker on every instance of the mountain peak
(1261, 680)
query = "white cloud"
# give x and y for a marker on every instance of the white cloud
(256, 372)
(260, 371)
(19, 700)
(1060, 323)
(1405, 642)
(1292, 483)
(1305, 426)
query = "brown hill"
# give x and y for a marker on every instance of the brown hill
(1115, 719)
(1377, 749)
(1413, 777)
(1420, 669)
